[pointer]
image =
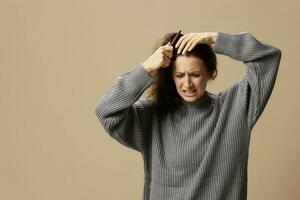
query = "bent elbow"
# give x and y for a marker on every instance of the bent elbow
(278, 52)
(278, 56)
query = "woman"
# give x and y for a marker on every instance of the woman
(194, 143)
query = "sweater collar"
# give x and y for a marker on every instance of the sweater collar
(202, 101)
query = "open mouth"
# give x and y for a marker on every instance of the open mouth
(189, 92)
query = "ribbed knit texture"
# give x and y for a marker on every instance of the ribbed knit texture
(199, 152)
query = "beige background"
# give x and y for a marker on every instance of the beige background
(57, 59)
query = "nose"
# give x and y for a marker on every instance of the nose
(187, 82)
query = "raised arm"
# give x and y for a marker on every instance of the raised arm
(262, 61)
(122, 113)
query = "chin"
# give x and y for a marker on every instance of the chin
(190, 99)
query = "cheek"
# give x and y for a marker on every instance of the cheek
(201, 82)
(177, 81)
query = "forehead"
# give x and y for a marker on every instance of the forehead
(190, 64)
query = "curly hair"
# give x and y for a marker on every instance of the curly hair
(163, 91)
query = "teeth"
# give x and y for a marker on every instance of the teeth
(189, 91)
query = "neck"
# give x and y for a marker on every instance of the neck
(201, 102)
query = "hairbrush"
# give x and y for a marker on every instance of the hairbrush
(175, 40)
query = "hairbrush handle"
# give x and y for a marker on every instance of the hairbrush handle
(175, 39)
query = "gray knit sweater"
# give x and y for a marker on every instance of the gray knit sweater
(199, 152)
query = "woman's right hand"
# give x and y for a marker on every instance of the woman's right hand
(160, 58)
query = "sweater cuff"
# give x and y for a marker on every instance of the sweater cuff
(140, 77)
(226, 42)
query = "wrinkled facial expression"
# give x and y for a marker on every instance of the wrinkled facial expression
(190, 77)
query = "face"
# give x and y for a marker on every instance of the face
(190, 77)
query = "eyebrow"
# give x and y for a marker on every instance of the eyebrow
(190, 72)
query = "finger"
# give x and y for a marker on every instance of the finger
(168, 54)
(192, 46)
(180, 40)
(193, 43)
(182, 45)
(166, 61)
(187, 46)
(168, 44)
(168, 47)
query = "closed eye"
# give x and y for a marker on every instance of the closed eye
(195, 75)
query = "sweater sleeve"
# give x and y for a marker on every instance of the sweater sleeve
(262, 62)
(123, 114)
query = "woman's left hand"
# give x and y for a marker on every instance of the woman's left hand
(188, 41)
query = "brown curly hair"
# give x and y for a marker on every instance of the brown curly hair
(163, 91)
